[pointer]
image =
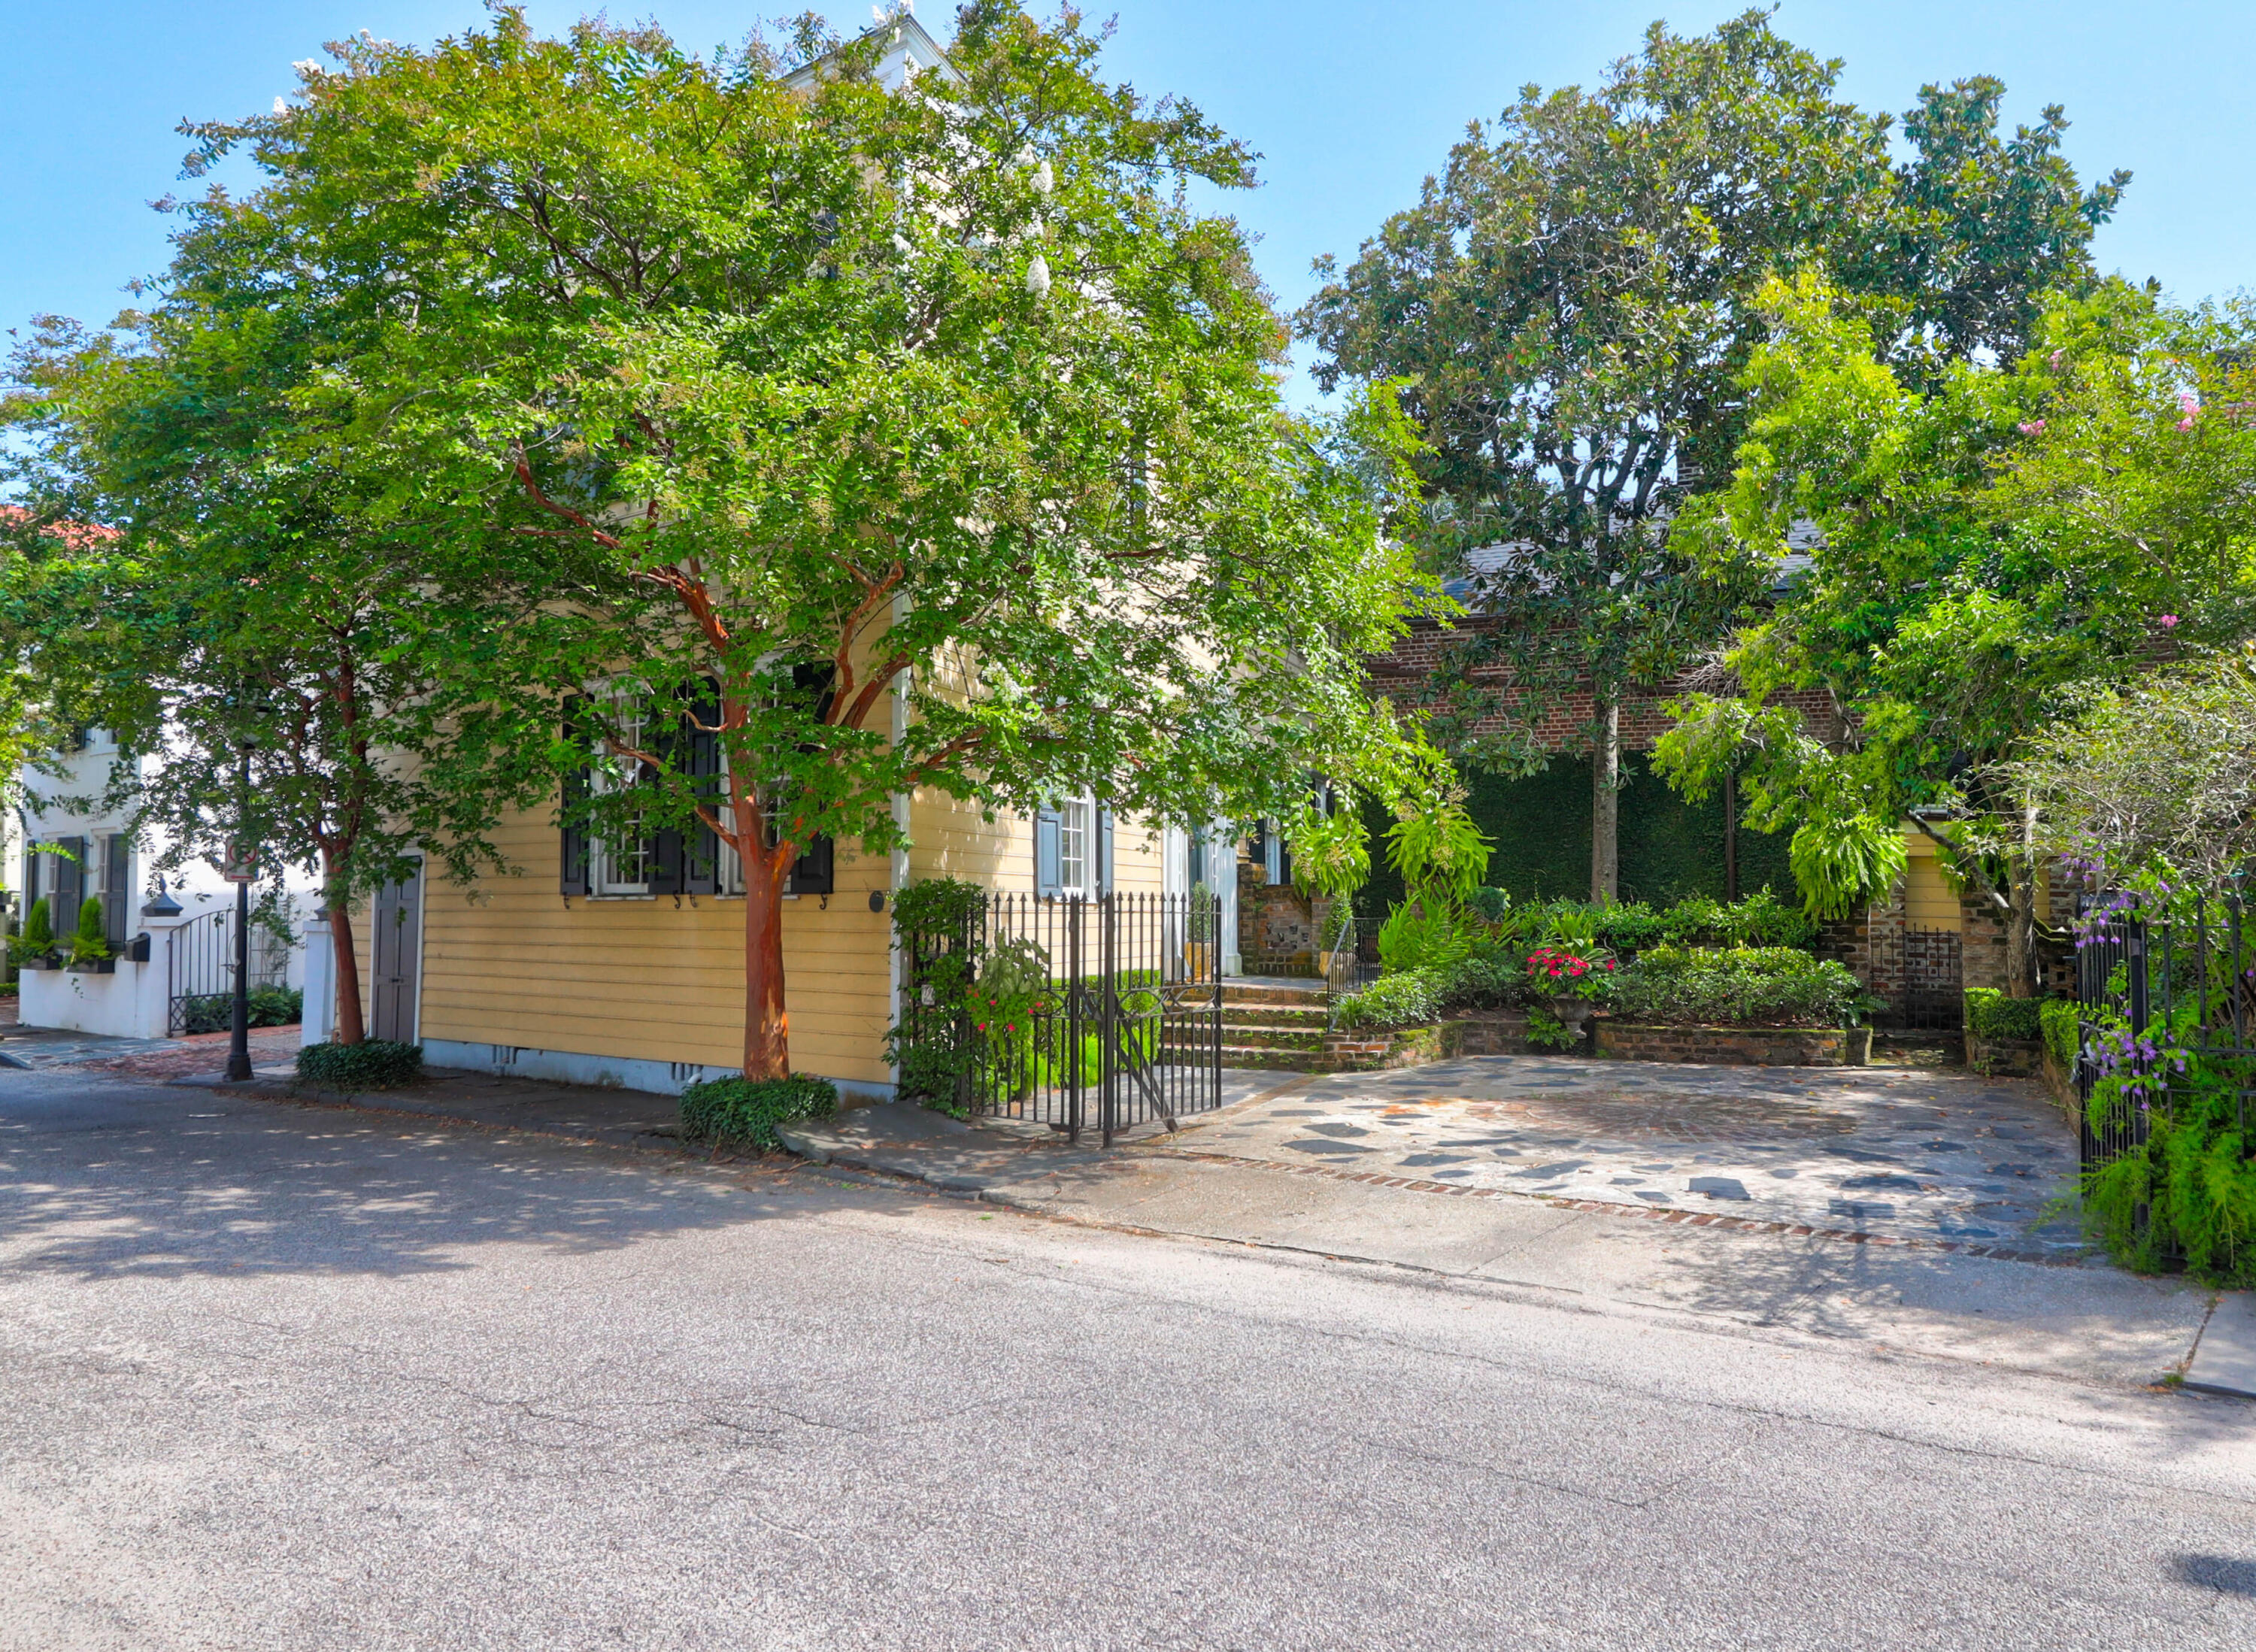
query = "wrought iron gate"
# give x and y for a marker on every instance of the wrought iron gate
(1922, 975)
(1082, 1014)
(200, 968)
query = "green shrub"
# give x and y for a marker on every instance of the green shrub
(269, 1007)
(374, 1064)
(1411, 998)
(1768, 987)
(1547, 1031)
(2062, 1021)
(748, 1110)
(1990, 1014)
(1418, 937)
(38, 936)
(1761, 919)
(89, 942)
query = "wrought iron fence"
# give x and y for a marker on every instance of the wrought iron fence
(1340, 949)
(200, 970)
(2166, 990)
(1098, 1014)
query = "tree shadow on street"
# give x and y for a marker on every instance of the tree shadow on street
(111, 1177)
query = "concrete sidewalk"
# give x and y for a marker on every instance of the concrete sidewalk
(2071, 1318)
(2080, 1320)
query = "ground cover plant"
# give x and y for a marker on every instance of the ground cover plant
(727, 1111)
(373, 1063)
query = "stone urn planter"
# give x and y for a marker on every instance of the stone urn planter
(1572, 1012)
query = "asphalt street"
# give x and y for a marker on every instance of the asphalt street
(285, 1377)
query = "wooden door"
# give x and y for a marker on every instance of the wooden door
(397, 949)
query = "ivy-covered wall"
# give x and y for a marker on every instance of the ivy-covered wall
(1541, 829)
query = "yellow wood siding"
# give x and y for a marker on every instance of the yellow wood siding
(650, 979)
(510, 962)
(1929, 903)
(952, 840)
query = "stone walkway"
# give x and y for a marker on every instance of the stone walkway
(41, 1049)
(1903, 1152)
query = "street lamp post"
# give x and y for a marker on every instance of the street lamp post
(238, 1037)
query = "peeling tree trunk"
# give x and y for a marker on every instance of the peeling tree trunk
(351, 1024)
(767, 1028)
(1605, 803)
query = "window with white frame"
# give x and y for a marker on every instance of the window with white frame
(1073, 844)
(621, 867)
(1073, 848)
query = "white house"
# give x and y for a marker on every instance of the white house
(168, 945)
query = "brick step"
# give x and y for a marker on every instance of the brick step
(1234, 1033)
(1275, 997)
(1289, 1061)
(1292, 1015)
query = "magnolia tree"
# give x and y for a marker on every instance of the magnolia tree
(887, 437)
(2001, 548)
(1573, 301)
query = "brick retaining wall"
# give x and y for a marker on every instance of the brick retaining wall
(1737, 1046)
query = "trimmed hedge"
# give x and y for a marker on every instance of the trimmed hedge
(374, 1064)
(1747, 986)
(2062, 1021)
(1990, 1014)
(749, 1110)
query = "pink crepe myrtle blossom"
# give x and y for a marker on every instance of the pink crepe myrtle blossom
(2169, 622)
(2033, 428)
(2190, 407)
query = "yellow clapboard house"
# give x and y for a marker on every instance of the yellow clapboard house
(585, 970)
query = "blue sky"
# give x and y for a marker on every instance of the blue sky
(1351, 103)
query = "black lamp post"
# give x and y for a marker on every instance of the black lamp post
(238, 1038)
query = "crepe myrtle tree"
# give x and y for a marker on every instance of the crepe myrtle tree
(887, 437)
(200, 571)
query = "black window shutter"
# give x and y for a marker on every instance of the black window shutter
(701, 866)
(663, 864)
(1103, 850)
(115, 877)
(1048, 853)
(572, 837)
(34, 887)
(811, 874)
(70, 884)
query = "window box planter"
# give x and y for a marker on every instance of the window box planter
(95, 966)
(50, 962)
(1738, 1046)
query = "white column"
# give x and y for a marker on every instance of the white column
(152, 984)
(321, 983)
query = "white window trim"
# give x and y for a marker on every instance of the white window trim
(603, 778)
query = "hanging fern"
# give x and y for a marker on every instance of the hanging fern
(1842, 864)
